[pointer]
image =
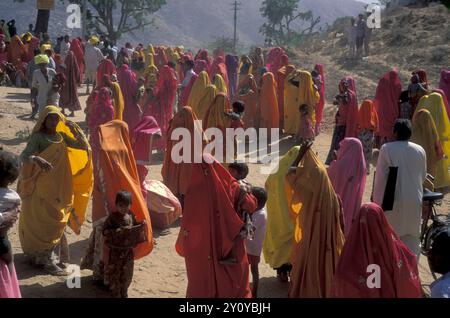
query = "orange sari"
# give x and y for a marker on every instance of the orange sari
(250, 98)
(268, 104)
(281, 78)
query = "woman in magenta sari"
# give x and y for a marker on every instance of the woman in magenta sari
(77, 48)
(319, 81)
(161, 106)
(349, 184)
(129, 84)
(69, 94)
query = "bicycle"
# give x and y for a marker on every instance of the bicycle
(432, 222)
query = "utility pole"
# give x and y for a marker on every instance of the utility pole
(83, 36)
(236, 8)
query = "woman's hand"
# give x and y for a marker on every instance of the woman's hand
(42, 163)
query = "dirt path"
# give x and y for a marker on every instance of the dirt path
(162, 273)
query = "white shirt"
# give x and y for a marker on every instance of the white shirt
(259, 218)
(410, 158)
(43, 86)
(9, 201)
(187, 78)
(92, 57)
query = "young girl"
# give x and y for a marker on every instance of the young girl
(9, 205)
(54, 93)
(367, 126)
(306, 131)
(122, 233)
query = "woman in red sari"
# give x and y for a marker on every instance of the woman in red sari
(128, 83)
(77, 48)
(210, 235)
(161, 106)
(219, 67)
(69, 94)
(373, 241)
(106, 67)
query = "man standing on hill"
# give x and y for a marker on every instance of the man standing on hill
(360, 34)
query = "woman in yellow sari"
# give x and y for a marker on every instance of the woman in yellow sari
(202, 95)
(220, 84)
(318, 236)
(279, 238)
(435, 105)
(248, 94)
(55, 185)
(299, 90)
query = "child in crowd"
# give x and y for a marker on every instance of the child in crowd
(439, 258)
(236, 115)
(239, 171)
(254, 247)
(405, 106)
(9, 202)
(122, 233)
(54, 93)
(306, 132)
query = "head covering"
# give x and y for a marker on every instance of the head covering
(373, 241)
(349, 184)
(367, 116)
(435, 105)
(425, 134)
(198, 92)
(45, 48)
(94, 40)
(215, 116)
(43, 115)
(422, 77)
(386, 103)
(279, 238)
(220, 84)
(351, 124)
(41, 59)
(318, 238)
(307, 94)
(268, 103)
(143, 139)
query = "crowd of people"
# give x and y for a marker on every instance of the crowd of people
(309, 221)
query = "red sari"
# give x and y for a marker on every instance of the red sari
(69, 94)
(210, 232)
(219, 67)
(106, 67)
(373, 241)
(77, 48)
(161, 106)
(321, 105)
(184, 97)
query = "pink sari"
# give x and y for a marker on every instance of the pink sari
(161, 106)
(321, 104)
(9, 285)
(373, 241)
(348, 176)
(444, 83)
(128, 84)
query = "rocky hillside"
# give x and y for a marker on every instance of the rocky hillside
(409, 38)
(192, 23)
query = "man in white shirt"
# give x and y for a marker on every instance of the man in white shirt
(406, 215)
(92, 58)
(42, 83)
(65, 47)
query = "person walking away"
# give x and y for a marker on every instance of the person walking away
(367, 127)
(409, 160)
(92, 58)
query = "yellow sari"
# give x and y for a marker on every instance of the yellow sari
(434, 103)
(220, 84)
(198, 93)
(280, 228)
(118, 101)
(53, 199)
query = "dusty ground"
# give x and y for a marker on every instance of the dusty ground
(162, 273)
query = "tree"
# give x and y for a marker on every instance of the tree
(280, 15)
(117, 17)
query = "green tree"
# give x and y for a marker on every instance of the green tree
(280, 15)
(117, 17)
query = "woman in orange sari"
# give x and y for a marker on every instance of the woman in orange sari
(248, 94)
(318, 233)
(268, 104)
(16, 51)
(281, 76)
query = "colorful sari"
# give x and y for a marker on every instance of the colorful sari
(349, 184)
(106, 67)
(274, 59)
(184, 96)
(268, 104)
(318, 236)
(128, 84)
(219, 68)
(373, 241)
(279, 239)
(220, 84)
(248, 94)
(209, 233)
(435, 105)
(16, 50)
(444, 83)
(321, 104)
(386, 103)
(77, 48)
(367, 126)
(47, 207)
(281, 76)
(9, 285)
(201, 96)
(69, 94)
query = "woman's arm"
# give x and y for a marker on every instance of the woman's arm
(79, 142)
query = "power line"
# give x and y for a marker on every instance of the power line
(236, 7)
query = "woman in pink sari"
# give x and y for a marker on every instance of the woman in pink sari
(274, 59)
(203, 56)
(373, 241)
(319, 81)
(128, 84)
(77, 48)
(386, 103)
(161, 106)
(348, 176)
(144, 138)
(219, 67)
